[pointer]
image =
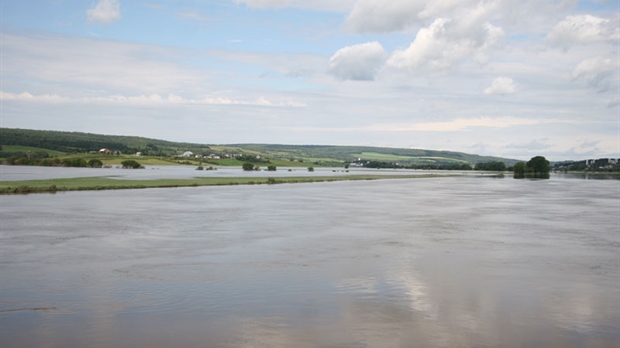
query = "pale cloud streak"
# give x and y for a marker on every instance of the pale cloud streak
(84, 65)
(502, 85)
(317, 5)
(147, 100)
(105, 12)
(464, 124)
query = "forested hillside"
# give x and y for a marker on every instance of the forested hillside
(75, 142)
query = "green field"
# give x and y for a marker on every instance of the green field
(103, 183)
(376, 156)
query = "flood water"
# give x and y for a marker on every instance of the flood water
(437, 262)
(19, 173)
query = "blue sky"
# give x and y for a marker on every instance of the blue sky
(494, 77)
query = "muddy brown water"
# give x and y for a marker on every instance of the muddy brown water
(442, 262)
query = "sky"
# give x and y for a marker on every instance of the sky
(510, 78)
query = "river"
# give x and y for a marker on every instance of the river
(433, 262)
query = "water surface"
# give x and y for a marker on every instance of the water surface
(442, 262)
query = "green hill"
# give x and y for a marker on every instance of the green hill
(75, 142)
(351, 153)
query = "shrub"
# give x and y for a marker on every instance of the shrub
(131, 164)
(74, 162)
(95, 163)
(310, 169)
(271, 168)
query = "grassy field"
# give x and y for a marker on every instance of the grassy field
(102, 183)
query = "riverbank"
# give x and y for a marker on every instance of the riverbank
(105, 183)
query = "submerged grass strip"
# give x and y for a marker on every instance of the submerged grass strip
(103, 183)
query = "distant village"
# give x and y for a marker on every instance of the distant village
(184, 154)
(606, 164)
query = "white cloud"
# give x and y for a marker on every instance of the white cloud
(396, 15)
(584, 29)
(446, 42)
(598, 73)
(357, 62)
(105, 12)
(502, 85)
(147, 100)
(384, 15)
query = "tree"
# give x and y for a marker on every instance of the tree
(247, 166)
(310, 169)
(540, 166)
(519, 170)
(271, 168)
(537, 167)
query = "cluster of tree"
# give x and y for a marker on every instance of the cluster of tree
(247, 166)
(131, 164)
(53, 162)
(536, 167)
(493, 165)
(20, 154)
